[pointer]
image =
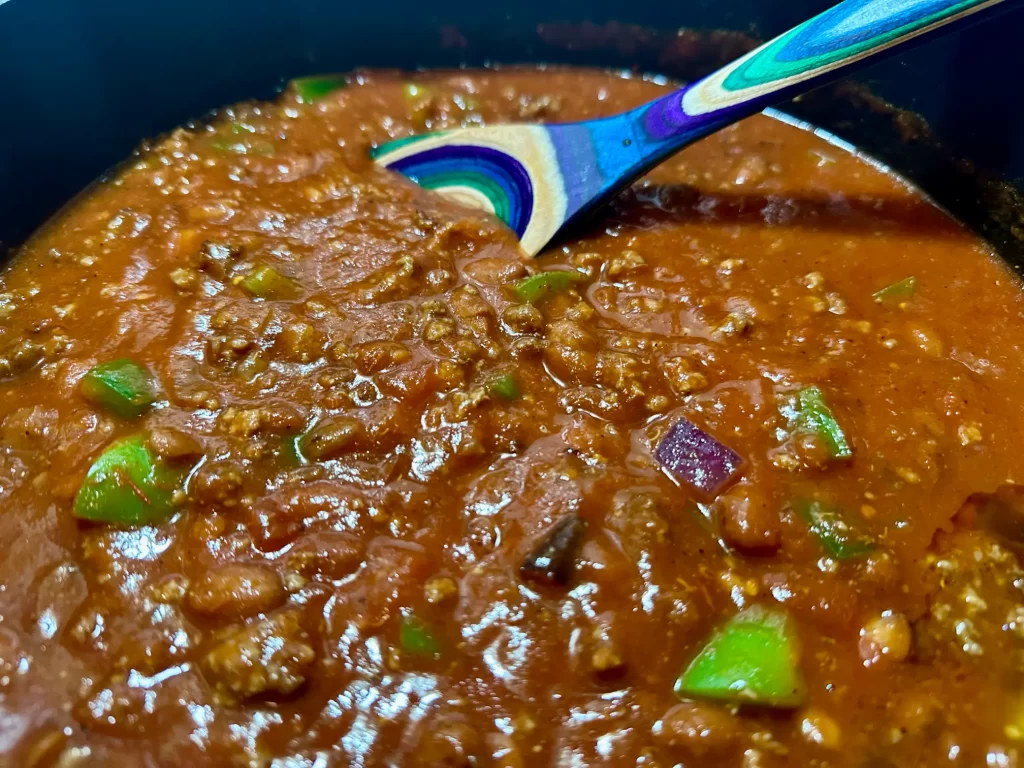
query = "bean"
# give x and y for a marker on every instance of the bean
(326, 555)
(236, 590)
(887, 637)
(748, 520)
(172, 444)
(818, 728)
(331, 438)
(699, 729)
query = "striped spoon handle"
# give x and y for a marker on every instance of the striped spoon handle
(543, 180)
(821, 49)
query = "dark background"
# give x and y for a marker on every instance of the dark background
(82, 81)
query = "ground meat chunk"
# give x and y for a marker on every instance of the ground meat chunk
(374, 356)
(160, 646)
(570, 350)
(636, 518)
(218, 483)
(299, 342)
(393, 281)
(270, 656)
(523, 318)
(621, 372)
(594, 440)
(23, 354)
(268, 418)
(236, 590)
(624, 263)
(29, 428)
(467, 303)
(682, 377)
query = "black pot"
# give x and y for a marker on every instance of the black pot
(83, 82)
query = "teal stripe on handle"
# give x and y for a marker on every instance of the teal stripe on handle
(480, 182)
(543, 180)
(829, 39)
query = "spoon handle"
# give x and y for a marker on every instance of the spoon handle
(821, 49)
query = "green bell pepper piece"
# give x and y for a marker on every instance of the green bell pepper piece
(538, 287)
(314, 88)
(505, 386)
(751, 660)
(834, 532)
(902, 289)
(122, 387)
(265, 282)
(247, 147)
(289, 453)
(415, 637)
(127, 486)
(815, 416)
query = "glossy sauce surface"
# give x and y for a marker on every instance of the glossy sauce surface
(340, 579)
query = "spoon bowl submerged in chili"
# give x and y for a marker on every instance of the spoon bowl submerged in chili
(303, 465)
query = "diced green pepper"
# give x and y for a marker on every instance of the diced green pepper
(815, 416)
(415, 637)
(834, 532)
(314, 88)
(903, 289)
(289, 453)
(505, 386)
(752, 659)
(126, 485)
(538, 287)
(248, 147)
(122, 387)
(265, 282)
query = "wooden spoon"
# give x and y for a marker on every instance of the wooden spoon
(540, 179)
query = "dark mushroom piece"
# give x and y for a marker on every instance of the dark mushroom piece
(552, 561)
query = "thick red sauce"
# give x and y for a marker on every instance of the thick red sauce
(363, 601)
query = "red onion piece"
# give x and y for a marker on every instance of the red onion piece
(695, 457)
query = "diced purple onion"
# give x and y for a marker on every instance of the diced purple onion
(694, 456)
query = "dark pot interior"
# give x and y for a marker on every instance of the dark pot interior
(84, 82)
